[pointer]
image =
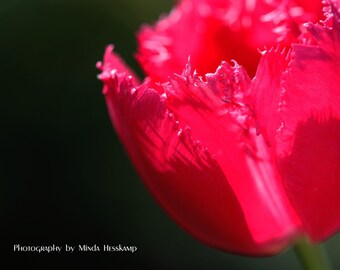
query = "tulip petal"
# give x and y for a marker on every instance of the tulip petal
(208, 31)
(219, 30)
(309, 152)
(266, 92)
(114, 62)
(217, 116)
(298, 111)
(182, 174)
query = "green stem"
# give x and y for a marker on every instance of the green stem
(312, 257)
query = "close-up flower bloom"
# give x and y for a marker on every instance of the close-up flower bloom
(235, 129)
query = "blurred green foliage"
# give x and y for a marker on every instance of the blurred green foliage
(65, 178)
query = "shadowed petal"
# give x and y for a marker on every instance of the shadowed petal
(309, 144)
(298, 112)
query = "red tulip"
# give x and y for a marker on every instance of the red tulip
(244, 165)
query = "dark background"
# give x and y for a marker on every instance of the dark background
(65, 178)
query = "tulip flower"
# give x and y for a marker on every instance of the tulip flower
(236, 128)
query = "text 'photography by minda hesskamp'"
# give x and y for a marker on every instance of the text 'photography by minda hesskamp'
(53, 248)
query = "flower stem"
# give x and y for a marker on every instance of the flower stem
(312, 257)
